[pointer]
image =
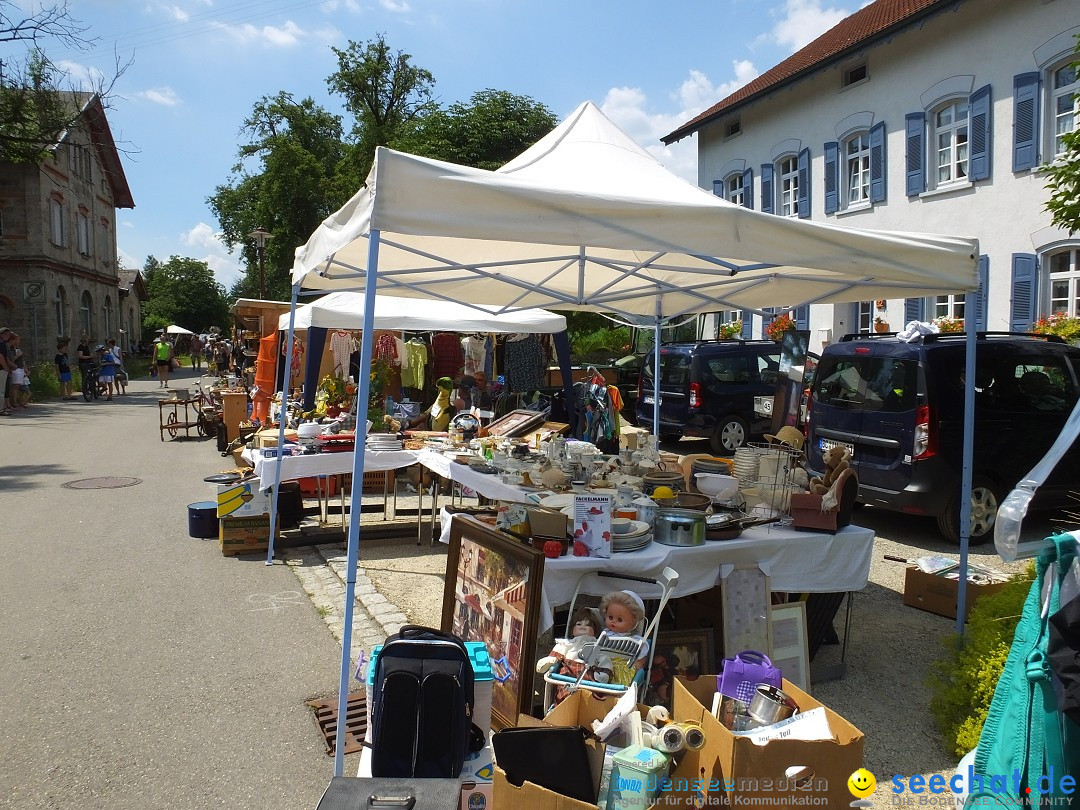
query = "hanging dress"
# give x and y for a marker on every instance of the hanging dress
(341, 346)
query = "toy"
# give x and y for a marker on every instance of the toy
(624, 616)
(572, 652)
(837, 459)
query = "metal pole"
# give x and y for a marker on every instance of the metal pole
(362, 395)
(262, 273)
(281, 425)
(965, 486)
(656, 373)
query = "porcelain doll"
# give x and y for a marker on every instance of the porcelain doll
(572, 653)
(623, 613)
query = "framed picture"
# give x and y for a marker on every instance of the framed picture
(492, 594)
(789, 649)
(516, 423)
(686, 653)
(745, 596)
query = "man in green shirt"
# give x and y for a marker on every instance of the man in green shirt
(163, 355)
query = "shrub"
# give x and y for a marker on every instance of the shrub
(779, 325)
(963, 683)
(600, 345)
(1060, 324)
(44, 384)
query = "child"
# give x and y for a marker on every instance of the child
(63, 369)
(20, 385)
(624, 615)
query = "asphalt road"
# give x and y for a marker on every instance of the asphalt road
(141, 669)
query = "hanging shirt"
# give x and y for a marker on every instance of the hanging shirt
(341, 346)
(412, 367)
(446, 356)
(523, 364)
(386, 349)
(475, 352)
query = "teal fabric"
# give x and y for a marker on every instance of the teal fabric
(1026, 743)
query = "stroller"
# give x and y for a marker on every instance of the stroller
(608, 645)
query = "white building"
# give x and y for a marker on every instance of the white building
(915, 115)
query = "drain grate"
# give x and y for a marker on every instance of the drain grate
(326, 715)
(108, 482)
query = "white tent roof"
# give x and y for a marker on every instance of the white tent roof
(178, 330)
(587, 219)
(345, 310)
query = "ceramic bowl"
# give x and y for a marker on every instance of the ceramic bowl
(715, 486)
(621, 525)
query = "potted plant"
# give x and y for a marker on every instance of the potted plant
(946, 324)
(729, 331)
(1060, 324)
(880, 324)
(779, 325)
(332, 391)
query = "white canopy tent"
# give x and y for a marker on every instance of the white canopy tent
(345, 310)
(587, 219)
(173, 329)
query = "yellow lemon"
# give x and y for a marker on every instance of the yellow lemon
(861, 783)
(663, 492)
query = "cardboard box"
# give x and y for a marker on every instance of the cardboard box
(759, 775)
(242, 500)
(938, 594)
(245, 535)
(547, 522)
(268, 437)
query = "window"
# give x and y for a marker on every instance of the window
(730, 368)
(56, 221)
(1063, 104)
(788, 183)
(949, 306)
(865, 316)
(732, 128)
(734, 189)
(59, 306)
(1065, 282)
(857, 168)
(86, 313)
(951, 139)
(768, 366)
(82, 224)
(854, 74)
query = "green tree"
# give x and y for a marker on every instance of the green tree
(37, 99)
(1063, 179)
(494, 127)
(385, 93)
(183, 291)
(288, 179)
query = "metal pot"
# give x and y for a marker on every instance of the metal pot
(679, 527)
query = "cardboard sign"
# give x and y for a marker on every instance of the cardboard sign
(592, 526)
(242, 500)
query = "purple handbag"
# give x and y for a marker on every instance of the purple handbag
(739, 676)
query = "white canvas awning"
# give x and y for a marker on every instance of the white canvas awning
(178, 330)
(345, 310)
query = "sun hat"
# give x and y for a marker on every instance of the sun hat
(787, 435)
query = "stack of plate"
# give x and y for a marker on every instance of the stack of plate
(383, 441)
(710, 465)
(746, 465)
(639, 536)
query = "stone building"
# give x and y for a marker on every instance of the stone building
(59, 273)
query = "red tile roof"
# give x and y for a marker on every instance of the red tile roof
(879, 19)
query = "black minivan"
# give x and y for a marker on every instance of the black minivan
(898, 407)
(721, 390)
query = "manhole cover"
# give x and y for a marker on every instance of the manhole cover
(108, 482)
(326, 715)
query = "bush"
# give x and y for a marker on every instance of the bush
(600, 345)
(44, 384)
(963, 684)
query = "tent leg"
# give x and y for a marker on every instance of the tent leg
(281, 427)
(965, 486)
(656, 374)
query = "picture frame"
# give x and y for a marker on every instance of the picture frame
(492, 594)
(516, 423)
(745, 595)
(788, 648)
(687, 654)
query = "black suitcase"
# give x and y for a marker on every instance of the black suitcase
(387, 793)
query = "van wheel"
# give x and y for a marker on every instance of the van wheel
(730, 435)
(984, 506)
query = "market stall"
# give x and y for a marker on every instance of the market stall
(588, 220)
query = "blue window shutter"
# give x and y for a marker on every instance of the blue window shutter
(718, 188)
(804, 184)
(913, 310)
(877, 162)
(766, 188)
(1025, 121)
(980, 129)
(748, 189)
(832, 174)
(747, 324)
(1024, 288)
(915, 129)
(802, 317)
(980, 294)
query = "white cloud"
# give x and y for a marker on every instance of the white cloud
(202, 235)
(395, 6)
(204, 238)
(79, 75)
(287, 35)
(164, 96)
(226, 270)
(331, 6)
(803, 21)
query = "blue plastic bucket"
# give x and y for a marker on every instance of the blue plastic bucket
(202, 519)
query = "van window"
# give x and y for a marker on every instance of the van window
(1019, 383)
(1044, 384)
(730, 368)
(867, 383)
(768, 368)
(674, 369)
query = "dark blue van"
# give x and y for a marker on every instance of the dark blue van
(898, 407)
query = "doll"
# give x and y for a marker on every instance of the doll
(624, 615)
(572, 653)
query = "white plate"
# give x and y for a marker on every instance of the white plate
(558, 501)
(637, 528)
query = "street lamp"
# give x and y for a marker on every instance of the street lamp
(260, 235)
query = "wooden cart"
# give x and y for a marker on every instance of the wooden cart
(169, 417)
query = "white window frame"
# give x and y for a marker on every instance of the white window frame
(787, 186)
(86, 313)
(1063, 269)
(948, 306)
(82, 223)
(856, 169)
(734, 192)
(1066, 119)
(864, 316)
(56, 222)
(955, 153)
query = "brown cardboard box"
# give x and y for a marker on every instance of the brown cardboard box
(938, 594)
(757, 774)
(268, 437)
(545, 522)
(248, 535)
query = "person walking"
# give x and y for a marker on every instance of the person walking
(121, 372)
(196, 352)
(163, 355)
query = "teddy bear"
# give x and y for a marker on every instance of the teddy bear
(837, 459)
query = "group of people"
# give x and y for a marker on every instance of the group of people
(14, 379)
(106, 360)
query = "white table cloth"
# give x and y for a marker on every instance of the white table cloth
(490, 486)
(324, 464)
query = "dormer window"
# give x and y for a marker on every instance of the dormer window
(855, 74)
(732, 128)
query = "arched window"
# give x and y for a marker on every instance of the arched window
(857, 168)
(950, 139)
(1064, 106)
(59, 311)
(734, 191)
(787, 184)
(86, 313)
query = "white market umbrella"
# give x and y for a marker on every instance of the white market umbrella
(178, 330)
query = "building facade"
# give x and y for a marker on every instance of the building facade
(915, 115)
(59, 274)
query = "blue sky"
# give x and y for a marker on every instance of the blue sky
(200, 65)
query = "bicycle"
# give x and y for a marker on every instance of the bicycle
(92, 387)
(209, 413)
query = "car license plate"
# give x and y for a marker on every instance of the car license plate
(648, 400)
(829, 444)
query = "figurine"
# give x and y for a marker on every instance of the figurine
(624, 616)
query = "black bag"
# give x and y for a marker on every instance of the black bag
(422, 706)
(222, 438)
